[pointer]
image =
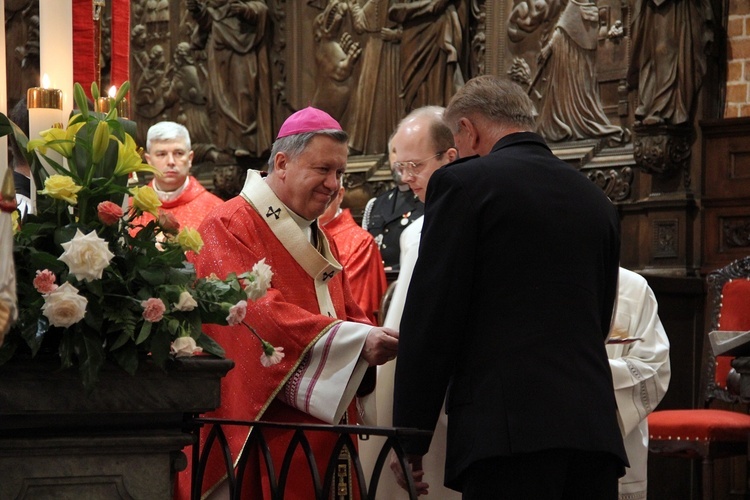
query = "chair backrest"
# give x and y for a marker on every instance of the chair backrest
(729, 310)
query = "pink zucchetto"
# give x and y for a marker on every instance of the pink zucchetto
(308, 120)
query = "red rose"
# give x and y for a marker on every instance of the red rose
(109, 213)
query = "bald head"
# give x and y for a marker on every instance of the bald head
(422, 144)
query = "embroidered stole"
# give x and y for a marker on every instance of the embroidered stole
(319, 264)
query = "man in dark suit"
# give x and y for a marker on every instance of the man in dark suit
(510, 313)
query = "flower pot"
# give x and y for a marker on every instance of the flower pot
(121, 440)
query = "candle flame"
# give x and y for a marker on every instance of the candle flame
(45, 81)
(112, 91)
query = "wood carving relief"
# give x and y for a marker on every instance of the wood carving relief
(232, 71)
(735, 232)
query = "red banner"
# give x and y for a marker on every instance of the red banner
(84, 43)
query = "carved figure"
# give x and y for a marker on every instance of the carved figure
(335, 59)
(569, 107)
(376, 105)
(670, 38)
(150, 94)
(430, 46)
(233, 32)
(186, 91)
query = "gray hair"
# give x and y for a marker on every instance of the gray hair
(499, 100)
(167, 131)
(293, 145)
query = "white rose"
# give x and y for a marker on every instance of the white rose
(186, 302)
(185, 347)
(64, 307)
(86, 255)
(261, 280)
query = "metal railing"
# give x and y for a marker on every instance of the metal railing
(256, 443)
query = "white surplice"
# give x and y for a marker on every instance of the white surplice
(641, 373)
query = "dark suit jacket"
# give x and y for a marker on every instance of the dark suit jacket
(510, 312)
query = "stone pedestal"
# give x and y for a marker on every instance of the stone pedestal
(123, 440)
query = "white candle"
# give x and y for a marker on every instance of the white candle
(56, 48)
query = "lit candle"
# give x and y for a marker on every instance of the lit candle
(104, 104)
(45, 111)
(56, 48)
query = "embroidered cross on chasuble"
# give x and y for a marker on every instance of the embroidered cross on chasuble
(326, 377)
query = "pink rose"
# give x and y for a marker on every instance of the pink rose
(168, 222)
(109, 213)
(237, 313)
(45, 281)
(153, 309)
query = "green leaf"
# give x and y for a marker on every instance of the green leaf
(210, 346)
(127, 358)
(144, 333)
(154, 277)
(90, 358)
(122, 339)
(8, 349)
(160, 343)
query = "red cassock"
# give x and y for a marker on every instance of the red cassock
(189, 208)
(235, 237)
(362, 262)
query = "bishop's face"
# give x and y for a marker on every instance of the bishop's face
(308, 183)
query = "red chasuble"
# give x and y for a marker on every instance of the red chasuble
(235, 237)
(362, 262)
(189, 208)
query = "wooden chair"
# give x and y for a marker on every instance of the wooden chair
(708, 433)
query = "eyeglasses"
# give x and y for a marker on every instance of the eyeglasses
(411, 167)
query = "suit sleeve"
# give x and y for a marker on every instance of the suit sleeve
(435, 309)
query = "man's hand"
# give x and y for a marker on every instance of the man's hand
(381, 346)
(417, 473)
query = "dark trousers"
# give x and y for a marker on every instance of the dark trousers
(545, 475)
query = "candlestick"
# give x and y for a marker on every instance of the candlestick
(103, 104)
(45, 111)
(56, 47)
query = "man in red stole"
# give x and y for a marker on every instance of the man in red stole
(308, 310)
(359, 254)
(169, 150)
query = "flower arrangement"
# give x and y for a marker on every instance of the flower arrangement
(91, 285)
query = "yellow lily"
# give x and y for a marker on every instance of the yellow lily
(128, 159)
(39, 144)
(64, 139)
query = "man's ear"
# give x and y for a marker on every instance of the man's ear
(280, 163)
(147, 157)
(451, 154)
(473, 133)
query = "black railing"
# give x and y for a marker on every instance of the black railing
(256, 443)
